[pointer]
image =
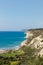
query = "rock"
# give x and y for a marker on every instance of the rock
(34, 38)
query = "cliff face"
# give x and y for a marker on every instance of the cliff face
(34, 38)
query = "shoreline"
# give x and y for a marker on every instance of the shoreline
(5, 50)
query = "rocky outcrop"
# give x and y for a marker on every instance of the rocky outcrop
(34, 38)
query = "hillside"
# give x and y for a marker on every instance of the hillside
(30, 51)
(34, 39)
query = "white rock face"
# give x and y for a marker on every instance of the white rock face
(36, 41)
(28, 34)
(38, 44)
(24, 43)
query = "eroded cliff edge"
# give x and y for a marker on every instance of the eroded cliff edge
(34, 39)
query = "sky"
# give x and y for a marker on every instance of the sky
(21, 14)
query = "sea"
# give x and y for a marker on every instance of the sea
(11, 39)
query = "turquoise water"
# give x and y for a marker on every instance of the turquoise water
(10, 39)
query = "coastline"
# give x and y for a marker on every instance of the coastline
(5, 50)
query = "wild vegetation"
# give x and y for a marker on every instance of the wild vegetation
(24, 56)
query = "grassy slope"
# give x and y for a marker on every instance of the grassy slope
(10, 54)
(24, 56)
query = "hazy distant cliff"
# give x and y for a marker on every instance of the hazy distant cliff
(34, 38)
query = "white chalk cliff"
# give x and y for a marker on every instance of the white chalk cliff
(34, 38)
